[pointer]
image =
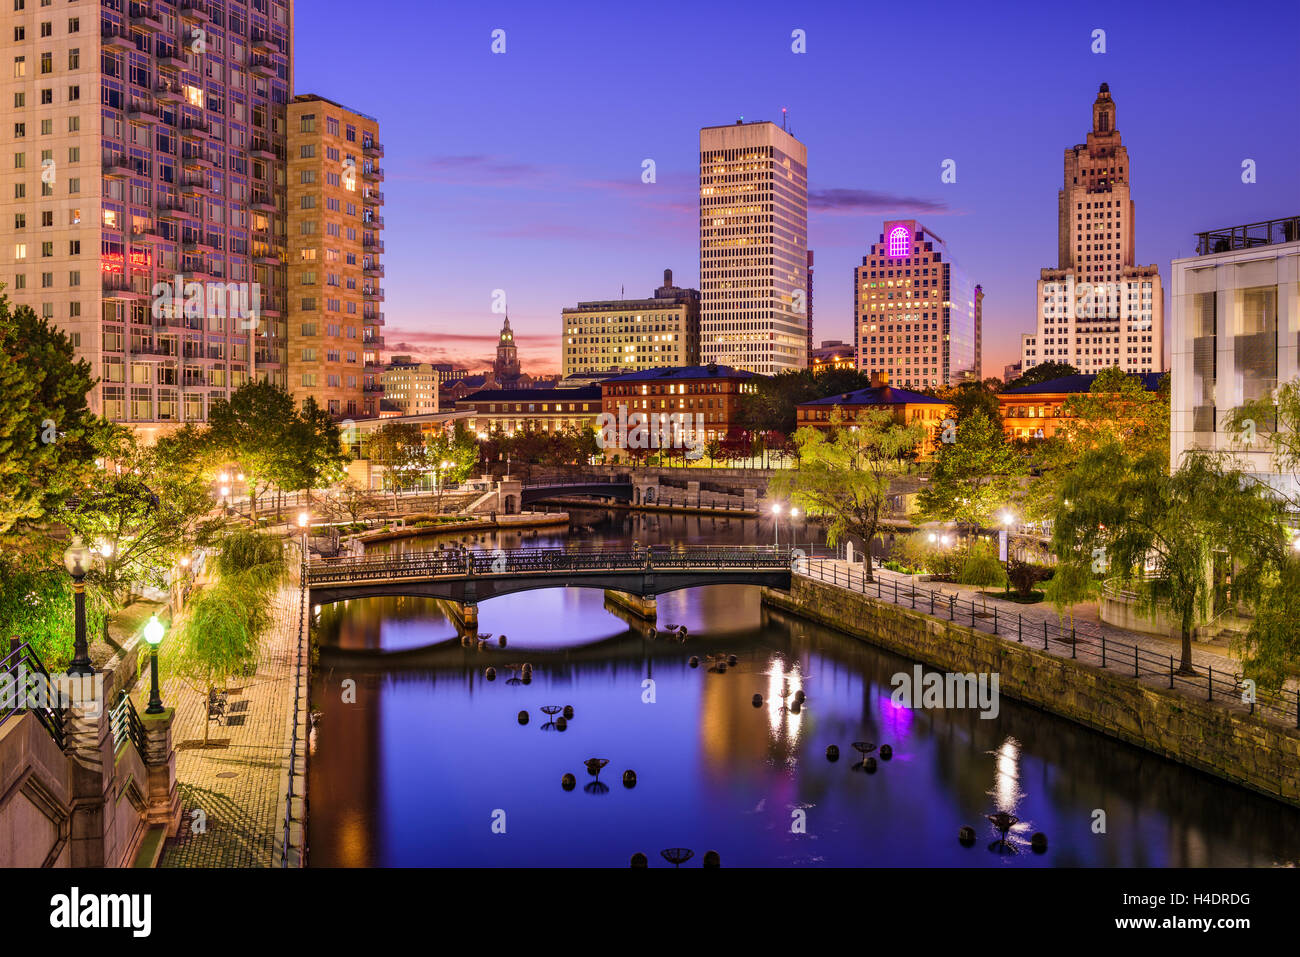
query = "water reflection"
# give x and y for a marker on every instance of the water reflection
(411, 769)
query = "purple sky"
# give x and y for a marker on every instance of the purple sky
(522, 171)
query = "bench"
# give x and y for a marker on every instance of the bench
(217, 705)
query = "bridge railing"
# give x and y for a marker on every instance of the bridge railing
(462, 563)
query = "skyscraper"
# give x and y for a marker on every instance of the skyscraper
(335, 225)
(916, 314)
(144, 209)
(753, 247)
(1097, 309)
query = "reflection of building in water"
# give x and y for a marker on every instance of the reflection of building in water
(345, 772)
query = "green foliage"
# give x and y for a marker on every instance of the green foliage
(1272, 423)
(311, 453)
(36, 606)
(1043, 372)
(252, 428)
(968, 398)
(1160, 532)
(1073, 582)
(252, 561)
(974, 477)
(400, 449)
(980, 566)
(772, 407)
(1270, 650)
(844, 475)
(46, 429)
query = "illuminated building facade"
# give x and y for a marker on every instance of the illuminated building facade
(629, 335)
(144, 148)
(411, 387)
(753, 247)
(1097, 309)
(334, 269)
(917, 316)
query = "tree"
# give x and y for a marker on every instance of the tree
(1271, 646)
(454, 456)
(400, 449)
(1160, 532)
(845, 474)
(1272, 422)
(972, 477)
(253, 428)
(1043, 372)
(312, 455)
(773, 405)
(46, 430)
(967, 398)
(981, 568)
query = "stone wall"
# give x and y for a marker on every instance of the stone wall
(1236, 746)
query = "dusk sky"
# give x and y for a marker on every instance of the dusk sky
(522, 171)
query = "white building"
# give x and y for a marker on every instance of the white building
(1236, 331)
(1097, 309)
(753, 248)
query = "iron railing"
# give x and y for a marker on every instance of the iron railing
(18, 668)
(1078, 642)
(295, 743)
(127, 726)
(461, 563)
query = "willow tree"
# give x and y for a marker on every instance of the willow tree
(973, 477)
(1159, 533)
(845, 474)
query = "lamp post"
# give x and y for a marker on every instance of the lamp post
(794, 514)
(304, 522)
(1007, 519)
(77, 561)
(153, 633)
(776, 524)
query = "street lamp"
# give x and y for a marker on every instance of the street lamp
(77, 561)
(1007, 519)
(153, 633)
(776, 524)
(304, 522)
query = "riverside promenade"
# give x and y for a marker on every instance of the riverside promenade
(233, 792)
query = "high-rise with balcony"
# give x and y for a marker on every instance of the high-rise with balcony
(334, 270)
(1097, 309)
(142, 192)
(753, 247)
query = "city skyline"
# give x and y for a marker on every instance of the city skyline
(538, 154)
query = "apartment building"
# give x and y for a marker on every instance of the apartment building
(335, 225)
(142, 193)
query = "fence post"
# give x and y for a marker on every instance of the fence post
(995, 619)
(1136, 674)
(1210, 683)
(1020, 628)
(1171, 671)
(1103, 649)
(1297, 708)
(895, 591)
(972, 613)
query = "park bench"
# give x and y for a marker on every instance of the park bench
(217, 705)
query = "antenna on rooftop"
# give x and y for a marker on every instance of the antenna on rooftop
(783, 112)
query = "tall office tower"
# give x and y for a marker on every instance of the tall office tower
(979, 333)
(808, 304)
(753, 247)
(1097, 309)
(143, 211)
(634, 334)
(1235, 315)
(916, 314)
(335, 343)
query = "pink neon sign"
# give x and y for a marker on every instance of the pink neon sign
(900, 242)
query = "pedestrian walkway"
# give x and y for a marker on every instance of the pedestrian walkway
(1095, 641)
(232, 802)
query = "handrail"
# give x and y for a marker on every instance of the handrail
(127, 726)
(297, 698)
(458, 563)
(19, 665)
(1081, 642)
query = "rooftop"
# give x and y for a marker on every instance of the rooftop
(679, 373)
(585, 393)
(878, 395)
(1071, 384)
(1231, 238)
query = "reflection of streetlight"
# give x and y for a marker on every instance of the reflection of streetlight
(77, 561)
(153, 633)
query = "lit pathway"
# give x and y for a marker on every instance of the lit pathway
(238, 785)
(1089, 631)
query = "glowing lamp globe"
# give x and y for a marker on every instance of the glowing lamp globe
(303, 519)
(153, 631)
(77, 558)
